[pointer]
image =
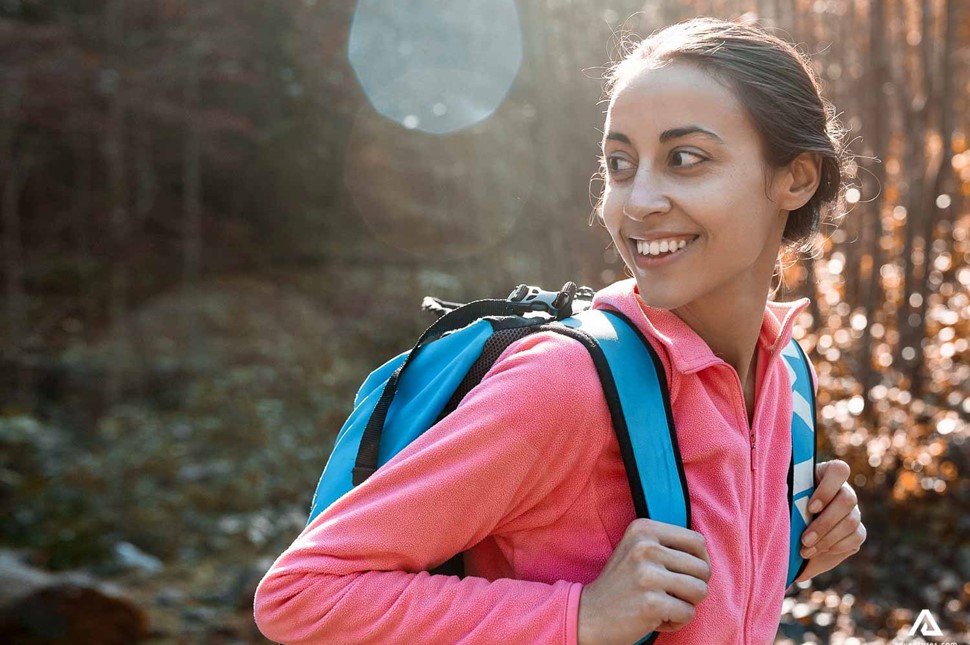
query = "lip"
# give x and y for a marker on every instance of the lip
(663, 236)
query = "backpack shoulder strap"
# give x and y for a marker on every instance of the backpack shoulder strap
(801, 472)
(635, 386)
(473, 314)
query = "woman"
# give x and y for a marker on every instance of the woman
(718, 152)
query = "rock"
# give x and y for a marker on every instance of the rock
(37, 607)
(130, 556)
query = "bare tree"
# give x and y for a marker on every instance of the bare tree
(872, 232)
(916, 124)
(14, 170)
(938, 174)
(117, 204)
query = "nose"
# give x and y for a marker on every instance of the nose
(646, 196)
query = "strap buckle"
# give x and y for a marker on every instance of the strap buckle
(558, 304)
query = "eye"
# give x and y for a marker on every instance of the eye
(614, 165)
(677, 153)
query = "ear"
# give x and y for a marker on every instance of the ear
(799, 180)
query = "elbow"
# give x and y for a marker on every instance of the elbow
(297, 607)
(271, 607)
(282, 608)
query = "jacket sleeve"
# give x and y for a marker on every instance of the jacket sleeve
(531, 429)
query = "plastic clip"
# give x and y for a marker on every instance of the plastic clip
(558, 304)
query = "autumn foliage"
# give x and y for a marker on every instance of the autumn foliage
(209, 237)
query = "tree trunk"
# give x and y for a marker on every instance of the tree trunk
(117, 180)
(14, 173)
(873, 232)
(914, 164)
(191, 178)
(191, 183)
(940, 173)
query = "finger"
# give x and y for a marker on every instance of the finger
(668, 626)
(846, 527)
(830, 476)
(677, 537)
(671, 609)
(685, 563)
(686, 588)
(851, 543)
(836, 510)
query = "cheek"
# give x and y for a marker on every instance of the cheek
(612, 210)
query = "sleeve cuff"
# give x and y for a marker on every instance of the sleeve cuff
(572, 613)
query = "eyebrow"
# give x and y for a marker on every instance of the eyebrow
(667, 135)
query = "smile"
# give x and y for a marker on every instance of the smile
(659, 252)
(661, 247)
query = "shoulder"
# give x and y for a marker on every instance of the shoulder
(550, 361)
(545, 377)
(542, 395)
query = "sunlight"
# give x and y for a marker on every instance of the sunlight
(435, 67)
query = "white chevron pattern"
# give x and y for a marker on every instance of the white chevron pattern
(790, 351)
(804, 472)
(802, 506)
(791, 372)
(804, 478)
(802, 408)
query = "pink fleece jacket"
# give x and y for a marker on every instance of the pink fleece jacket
(525, 476)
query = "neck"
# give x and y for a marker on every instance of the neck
(729, 318)
(730, 323)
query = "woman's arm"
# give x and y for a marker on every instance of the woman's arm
(526, 435)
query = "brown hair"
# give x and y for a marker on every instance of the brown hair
(778, 89)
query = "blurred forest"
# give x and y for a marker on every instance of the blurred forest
(210, 236)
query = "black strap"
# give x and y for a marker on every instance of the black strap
(455, 565)
(499, 342)
(619, 419)
(366, 463)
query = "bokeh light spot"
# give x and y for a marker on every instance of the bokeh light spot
(436, 66)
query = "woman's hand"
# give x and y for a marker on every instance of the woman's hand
(837, 531)
(652, 582)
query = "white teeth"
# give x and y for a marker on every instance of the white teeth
(659, 247)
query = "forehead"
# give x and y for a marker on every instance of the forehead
(650, 100)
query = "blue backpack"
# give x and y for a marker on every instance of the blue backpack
(414, 390)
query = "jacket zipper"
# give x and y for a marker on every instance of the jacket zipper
(754, 497)
(753, 467)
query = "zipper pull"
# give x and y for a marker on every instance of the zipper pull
(753, 468)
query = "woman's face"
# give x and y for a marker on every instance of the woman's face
(684, 164)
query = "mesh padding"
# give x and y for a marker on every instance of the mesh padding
(493, 348)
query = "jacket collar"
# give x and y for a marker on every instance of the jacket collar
(689, 352)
